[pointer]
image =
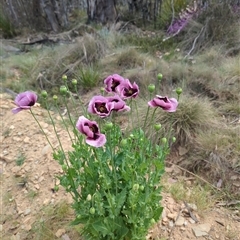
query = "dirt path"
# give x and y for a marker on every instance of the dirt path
(26, 188)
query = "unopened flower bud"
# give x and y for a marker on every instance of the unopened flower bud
(123, 142)
(63, 90)
(102, 89)
(141, 187)
(164, 140)
(44, 94)
(92, 210)
(64, 77)
(153, 221)
(151, 88)
(174, 139)
(74, 82)
(159, 76)
(135, 187)
(89, 197)
(108, 125)
(55, 97)
(157, 127)
(179, 91)
(131, 136)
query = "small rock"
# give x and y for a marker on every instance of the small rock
(191, 221)
(11, 127)
(28, 227)
(170, 224)
(171, 216)
(27, 211)
(26, 139)
(192, 206)
(180, 221)
(46, 201)
(16, 139)
(65, 237)
(201, 229)
(60, 232)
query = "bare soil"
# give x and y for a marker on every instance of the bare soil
(27, 188)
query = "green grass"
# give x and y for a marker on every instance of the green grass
(20, 159)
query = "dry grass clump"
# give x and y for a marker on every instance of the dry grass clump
(129, 58)
(192, 116)
(66, 60)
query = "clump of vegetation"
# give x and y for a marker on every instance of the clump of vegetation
(20, 159)
(6, 27)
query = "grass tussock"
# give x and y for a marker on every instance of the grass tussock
(191, 116)
(193, 194)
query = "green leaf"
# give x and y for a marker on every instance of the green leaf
(121, 198)
(101, 227)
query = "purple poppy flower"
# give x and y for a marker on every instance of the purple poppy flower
(101, 106)
(112, 82)
(128, 90)
(91, 130)
(24, 100)
(167, 104)
(118, 103)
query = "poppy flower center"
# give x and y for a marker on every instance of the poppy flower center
(94, 128)
(31, 103)
(101, 107)
(129, 92)
(114, 85)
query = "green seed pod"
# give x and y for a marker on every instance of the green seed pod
(55, 97)
(92, 210)
(56, 188)
(179, 91)
(124, 142)
(89, 197)
(63, 90)
(159, 76)
(157, 127)
(141, 187)
(108, 125)
(153, 221)
(64, 77)
(164, 140)
(135, 187)
(151, 88)
(44, 94)
(174, 139)
(74, 82)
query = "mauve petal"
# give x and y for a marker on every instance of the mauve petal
(109, 82)
(16, 110)
(26, 99)
(83, 125)
(99, 142)
(152, 103)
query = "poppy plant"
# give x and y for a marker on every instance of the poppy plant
(167, 104)
(24, 100)
(91, 130)
(112, 82)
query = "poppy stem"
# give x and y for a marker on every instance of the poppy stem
(41, 129)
